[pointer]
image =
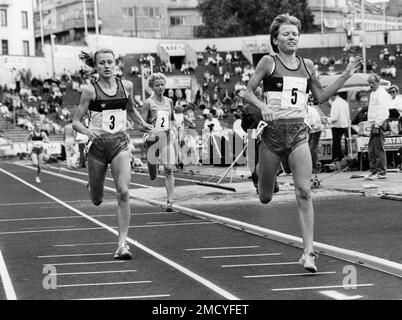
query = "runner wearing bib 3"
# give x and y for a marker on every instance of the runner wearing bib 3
(107, 102)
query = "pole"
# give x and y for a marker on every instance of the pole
(42, 35)
(136, 23)
(52, 53)
(322, 16)
(363, 38)
(85, 19)
(96, 23)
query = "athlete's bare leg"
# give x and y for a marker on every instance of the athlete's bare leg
(96, 173)
(121, 172)
(266, 170)
(300, 164)
(169, 181)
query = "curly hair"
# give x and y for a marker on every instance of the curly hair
(90, 59)
(154, 77)
(276, 24)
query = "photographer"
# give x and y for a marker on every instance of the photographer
(212, 124)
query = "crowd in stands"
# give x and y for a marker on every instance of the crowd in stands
(31, 98)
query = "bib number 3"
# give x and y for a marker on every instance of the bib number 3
(114, 120)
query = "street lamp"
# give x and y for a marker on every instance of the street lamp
(52, 37)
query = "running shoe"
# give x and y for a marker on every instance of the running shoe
(308, 261)
(381, 176)
(37, 179)
(123, 253)
(371, 177)
(169, 207)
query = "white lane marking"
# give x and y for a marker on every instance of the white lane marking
(85, 263)
(108, 179)
(79, 217)
(92, 272)
(288, 275)
(325, 287)
(221, 248)
(129, 297)
(163, 177)
(101, 284)
(5, 278)
(100, 228)
(83, 244)
(173, 264)
(351, 256)
(75, 255)
(176, 221)
(339, 296)
(38, 202)
(258, 264)
(45, 228)
(243, 255)
(39, 218)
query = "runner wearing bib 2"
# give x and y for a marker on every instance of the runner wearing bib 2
(107, 102)
(161, 147)
(287, 80)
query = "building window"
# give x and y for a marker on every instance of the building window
(3, 17)
(151, 11)
(176, 21)
(4, 47)
(25, 45)
(128, 11)
(24, 16)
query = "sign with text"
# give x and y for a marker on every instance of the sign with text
(174, 49)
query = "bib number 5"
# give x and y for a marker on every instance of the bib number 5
(294, 96)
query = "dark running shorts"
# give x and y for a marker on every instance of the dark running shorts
(108, 146)
(37, 151)
(283, 136)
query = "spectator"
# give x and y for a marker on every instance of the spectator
(339, 121)
(200, 57)
(228, 57)
(378, 112)
(237, 129)
(226, 77)
(135, 70)
(361, 115)
(314, 121)
(396, 102)
(398, 52)
(212, 124)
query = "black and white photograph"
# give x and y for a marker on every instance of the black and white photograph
(200, 157)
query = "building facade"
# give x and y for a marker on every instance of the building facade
(16, 28)
(64, 19)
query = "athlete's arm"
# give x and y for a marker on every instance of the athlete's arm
(323, 95)
(263, 68)
(28, 138)
(87, 95)
(45, 137)
(145, 111)
(132, 111)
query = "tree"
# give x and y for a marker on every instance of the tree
(231, 18)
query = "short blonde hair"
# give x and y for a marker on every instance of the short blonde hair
(276, 24)
(154, 77)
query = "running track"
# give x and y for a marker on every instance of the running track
(176, 256)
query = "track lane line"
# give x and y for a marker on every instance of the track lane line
(189, 273)
(5, 278)
(355, 257)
